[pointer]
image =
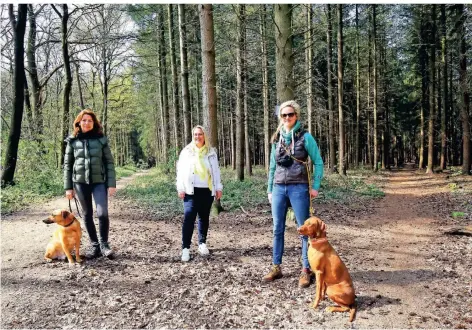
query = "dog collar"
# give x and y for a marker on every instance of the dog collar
(318, 240)
(70, 223)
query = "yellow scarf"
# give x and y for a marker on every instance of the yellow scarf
(200, 169)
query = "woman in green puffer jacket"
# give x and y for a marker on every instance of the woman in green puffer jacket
(89, 170)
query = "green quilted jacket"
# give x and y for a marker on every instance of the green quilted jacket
(88, 161)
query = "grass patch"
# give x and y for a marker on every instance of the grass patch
(34, 187)
(156, 190)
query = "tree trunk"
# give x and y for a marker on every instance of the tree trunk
(18, 26)
(423, 57)
(247, 144)
(79, 86)
(210, 120)
(240, 132)
(341, 147)
(445, 105)
(309, 68)
(33, 76)
(464, 87)
(283, 52)
(330, 70)
(184, 75)
(68, 83)
(432, 90)
(374, 64)
(163, 78)
(265, 88)
(358, 92)
(175, 84)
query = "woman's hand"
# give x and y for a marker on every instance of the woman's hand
(181, 194)
(111, 191)
(269, 196)
(313, 193)
(218, 195)
(70, 194)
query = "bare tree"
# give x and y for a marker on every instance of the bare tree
(184, 74)
(18, 25)
(341, 146)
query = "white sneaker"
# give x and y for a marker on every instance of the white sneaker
(203, 250)
(185, 255)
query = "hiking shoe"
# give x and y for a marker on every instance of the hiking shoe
(93, 251)
(305, 278)
(106, 250)
(275, 273)
(185, 255)
(203, 250)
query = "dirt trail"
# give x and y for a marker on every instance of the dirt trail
(407, 274)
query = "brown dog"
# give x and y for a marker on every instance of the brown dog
(65, 238)
(332, 276)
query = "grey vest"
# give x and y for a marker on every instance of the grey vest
(296, 171)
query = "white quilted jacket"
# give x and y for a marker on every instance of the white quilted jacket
(185, 170)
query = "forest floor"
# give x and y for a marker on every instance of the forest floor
(406, 271)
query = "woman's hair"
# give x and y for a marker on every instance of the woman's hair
(207, 143)
(97, 127)
(296, 108)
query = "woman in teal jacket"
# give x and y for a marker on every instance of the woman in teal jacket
(89, 170)
(288, 184)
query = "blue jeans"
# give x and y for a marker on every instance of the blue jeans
(84, 193)
(299, 197)
(197, 204)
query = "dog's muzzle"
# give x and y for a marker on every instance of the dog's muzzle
(48, 221)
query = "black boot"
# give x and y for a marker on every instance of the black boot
(93, 251)
(106, 250)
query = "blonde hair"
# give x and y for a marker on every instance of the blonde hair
(296, 108)
(207, 142)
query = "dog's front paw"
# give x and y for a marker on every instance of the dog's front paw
(79, 260)
(48, 260)
(315, 304)
(71, 264)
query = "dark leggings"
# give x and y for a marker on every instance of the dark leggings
(198, 203)
(84, 193)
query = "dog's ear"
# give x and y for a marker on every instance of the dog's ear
(65, 214)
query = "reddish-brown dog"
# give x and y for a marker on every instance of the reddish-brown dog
(332, 276)
(65, 238)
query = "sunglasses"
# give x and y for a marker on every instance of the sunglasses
(290, 115)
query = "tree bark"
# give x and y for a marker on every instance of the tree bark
(466, 161)
(265, 88)
(341, 147)
(163, 79)
(374, 51)
(19, 27)
(175, 84)
(184, 75)
(309, 68)
(33, 76)
(240, 132)
(358, 92)
(283, 52)
(445, 105)
(432, 91)
(209, 97)
(330, 70)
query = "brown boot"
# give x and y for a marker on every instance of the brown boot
(275, 273)
(305, 278)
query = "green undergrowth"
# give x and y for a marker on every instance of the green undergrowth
(39, 185)
(156, 190)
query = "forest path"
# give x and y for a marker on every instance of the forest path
(407, 274)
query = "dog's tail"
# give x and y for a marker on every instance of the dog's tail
(352, 313)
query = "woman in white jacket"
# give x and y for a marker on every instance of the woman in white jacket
(198, 183)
